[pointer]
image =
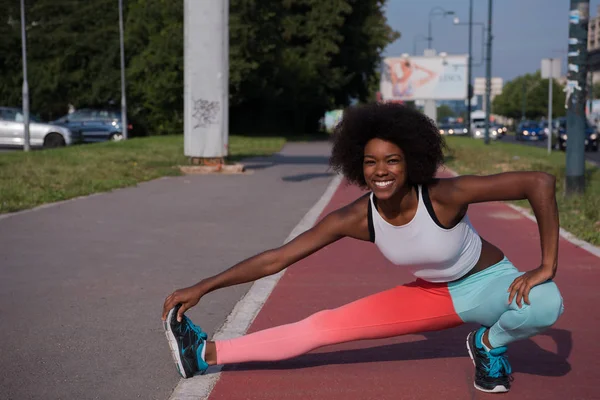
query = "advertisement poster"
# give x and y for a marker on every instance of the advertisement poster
(424, 78)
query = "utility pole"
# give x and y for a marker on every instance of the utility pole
(124, 124)
(469, 67)
(523, 101)
(550, 70)
(591, 92)
(26, 146)
(576, 96)
(550, 85)
(488, 75)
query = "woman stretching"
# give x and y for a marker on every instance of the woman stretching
(419, 223)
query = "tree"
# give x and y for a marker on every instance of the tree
(596, 90)
(290, 60)
(535, 90)
(444, 111)
(73, 54)
(155, 68)
(293, 60)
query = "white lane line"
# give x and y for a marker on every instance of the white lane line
(244, 312)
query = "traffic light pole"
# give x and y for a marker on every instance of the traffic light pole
(469, 68)
(576, 96)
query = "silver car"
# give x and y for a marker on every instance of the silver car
(479, 131)
(12, 130)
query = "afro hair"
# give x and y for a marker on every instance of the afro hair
(409, 129)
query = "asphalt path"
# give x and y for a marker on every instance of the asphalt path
(82, 282)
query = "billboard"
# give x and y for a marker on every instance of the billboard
(495, 87)
(424, 78)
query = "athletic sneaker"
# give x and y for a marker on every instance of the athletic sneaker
(187, 342)
(492, 370)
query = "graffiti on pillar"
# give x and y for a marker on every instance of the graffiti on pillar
(205, 112)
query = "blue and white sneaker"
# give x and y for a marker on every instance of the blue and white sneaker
(187, 342)
(492, 370)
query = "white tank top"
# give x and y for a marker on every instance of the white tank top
(430, 251)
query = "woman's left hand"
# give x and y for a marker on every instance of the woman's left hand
(521, 286)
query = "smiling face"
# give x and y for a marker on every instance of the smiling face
(384, 168)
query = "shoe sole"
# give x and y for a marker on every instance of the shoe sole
(498, 388)
(173, 344)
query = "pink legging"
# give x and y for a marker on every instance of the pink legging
(417, 307)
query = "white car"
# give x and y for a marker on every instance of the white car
(12, 130)
(479, 131)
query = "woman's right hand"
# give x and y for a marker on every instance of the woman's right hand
(187, 297)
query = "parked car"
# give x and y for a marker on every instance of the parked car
(444, 128)
(454, 129)
(501, 129)
(98, 125)
(460, 129)
(12, 131)
(591, 135)
(479, 131)
(530, 130)
(544, 126)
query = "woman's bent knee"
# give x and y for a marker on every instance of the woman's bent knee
(546, 304)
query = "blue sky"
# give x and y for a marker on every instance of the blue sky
(524, 31)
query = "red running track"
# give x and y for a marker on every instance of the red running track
(560, 364)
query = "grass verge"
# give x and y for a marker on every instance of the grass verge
(579, 215)
(30, 179)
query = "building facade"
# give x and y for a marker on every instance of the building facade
(594, 46)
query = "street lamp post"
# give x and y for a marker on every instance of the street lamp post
(550, 84)
(488, 60)
(483, 28)
(524, 101)
(488, 75)
(469, 67)
(26, 146)
(470, 61)
(124, 125)
(435, 11)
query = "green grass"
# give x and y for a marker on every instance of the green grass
(38, 177)
(579, 215)
(30, 179)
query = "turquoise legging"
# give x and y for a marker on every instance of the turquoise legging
(483, 298)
